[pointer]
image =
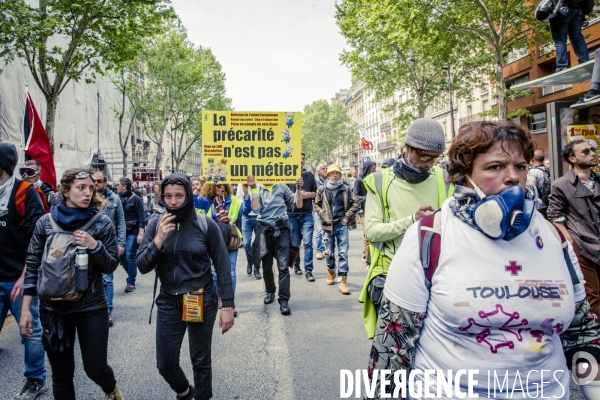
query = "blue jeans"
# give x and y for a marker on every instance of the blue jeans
(560, 28)
(35, 364)
(170, 330)
(318, 232)
(233, 261)
(109, 290)
(339, 234)
(248, 226)
(128, 258)
(302, 228)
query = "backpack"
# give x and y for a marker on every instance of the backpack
(21, 196)
(547, 9)
(430, 240)
(545, 186)
(57, 275)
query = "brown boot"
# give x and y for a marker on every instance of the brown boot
(115, 395)
(330, 276)
(343, 286)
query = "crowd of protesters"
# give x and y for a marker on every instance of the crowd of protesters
(503, 221)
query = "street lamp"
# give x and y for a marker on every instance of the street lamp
(447, 68)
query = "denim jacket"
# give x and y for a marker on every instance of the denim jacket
(114, 211)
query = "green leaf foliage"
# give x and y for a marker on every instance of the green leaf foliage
(325, 127)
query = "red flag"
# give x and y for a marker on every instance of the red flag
(365, 144)
(37, 145)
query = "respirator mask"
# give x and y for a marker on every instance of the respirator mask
(504, 215)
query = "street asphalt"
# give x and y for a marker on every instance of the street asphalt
(264, 356)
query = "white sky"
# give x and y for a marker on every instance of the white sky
(277, 55)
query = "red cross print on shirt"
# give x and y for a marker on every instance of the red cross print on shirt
(513, 268)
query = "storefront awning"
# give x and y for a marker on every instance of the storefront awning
(569, 76)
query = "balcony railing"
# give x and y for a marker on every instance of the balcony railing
(386, 145)
(475, 117)
(546, 90)
(385, 126)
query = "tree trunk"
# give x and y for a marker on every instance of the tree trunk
(500, 86)
(158, 159)
(51, 106)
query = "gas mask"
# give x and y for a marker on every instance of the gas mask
(502, 216)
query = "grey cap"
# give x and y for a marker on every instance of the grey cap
(426, 134)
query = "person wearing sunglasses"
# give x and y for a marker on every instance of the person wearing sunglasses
(574, 205)
(399, 196)
(30, 172)
(86, 319)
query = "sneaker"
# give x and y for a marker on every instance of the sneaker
(297, 270)
(257, 274)
(115, 395)
(319, 255)
(189, 396)
(590, 98)
(249, 269)
(110, 321)
(129, 288)
(31, 389)
(310, 277)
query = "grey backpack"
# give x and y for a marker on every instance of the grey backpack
(57, 275)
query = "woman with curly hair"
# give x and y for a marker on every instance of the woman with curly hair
(217, 202)
(78, 205)
(503, 296)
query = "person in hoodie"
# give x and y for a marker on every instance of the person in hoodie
(181, 252)
(360, 193)
(77, 203)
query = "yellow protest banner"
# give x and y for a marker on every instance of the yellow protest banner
(236, 144)
(591, 133)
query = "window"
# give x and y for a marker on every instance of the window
(516, 120)
(469, 110)
(485, 105)
(537, 123)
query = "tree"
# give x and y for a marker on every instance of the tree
(173, 83)
(384, 35)
(122, 84)
(325, 128)
(64, 40)
(492, 28)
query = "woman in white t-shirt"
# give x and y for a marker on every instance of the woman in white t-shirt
(503, 303)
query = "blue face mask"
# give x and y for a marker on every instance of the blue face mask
(502, 216)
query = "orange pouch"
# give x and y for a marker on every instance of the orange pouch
(193, 306)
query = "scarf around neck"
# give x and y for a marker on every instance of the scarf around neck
(5, 191)
(221, 209)
(333, 186)
(72, 218)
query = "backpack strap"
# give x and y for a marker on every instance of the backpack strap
(430, 239)
(204, 229)
(20, 196)
(565, 247)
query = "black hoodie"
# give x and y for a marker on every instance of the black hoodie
(183, 263)
(359, 190)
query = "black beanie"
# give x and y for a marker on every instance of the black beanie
(8, 157)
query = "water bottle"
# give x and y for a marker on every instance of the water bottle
(81, 261)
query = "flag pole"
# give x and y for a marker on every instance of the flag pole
(22, 152)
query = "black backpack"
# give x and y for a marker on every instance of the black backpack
(547, 9)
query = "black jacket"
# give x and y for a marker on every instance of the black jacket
(183, 262)
(133, 208)
(310, 185)
(102, 260)
(14, 239)
(359, 190)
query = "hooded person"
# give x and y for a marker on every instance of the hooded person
(181, 245)
(360, 193)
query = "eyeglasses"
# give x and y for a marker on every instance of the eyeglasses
(426, 158)
(28, 172)
(219, 186)
(586, 152)
(103, 180)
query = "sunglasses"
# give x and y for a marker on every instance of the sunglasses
(586, 152)
(28, 172)
(172, 181)
(103, 180)
(219, 186)
(426, 158)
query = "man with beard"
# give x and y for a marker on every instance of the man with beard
(113, 209)
(399, 196)
(575, 209)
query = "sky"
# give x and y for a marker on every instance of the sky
(277, 55)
